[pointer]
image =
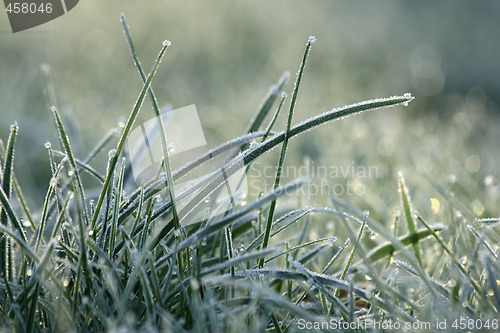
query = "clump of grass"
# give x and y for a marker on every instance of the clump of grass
(121, 259)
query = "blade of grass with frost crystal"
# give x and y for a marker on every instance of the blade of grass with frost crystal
(439, 287)
(116, 206)
(253, 153)
(5, 246)
(298, 247)
(493, 282)
(387, 250)
(38, 280)
(126, 130)
(12, 216)
(84, 166)
(156, 110)
(408, 211)
(453, 257)
(267, 104)
(17, 190)
(351, 256)
(80, 199)
(323, 271)
(45, 209)
(281, 162)
(61, 215)
(228, 219)
(151, 187)
(69, 153)
(275, 116)
(295, 216)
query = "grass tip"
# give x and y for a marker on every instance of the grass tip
(311, 40)
(166, 43)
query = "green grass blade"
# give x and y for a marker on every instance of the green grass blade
(281, 162)
(408, 213)
(388, 250)
(7, 172)
(156, 109)
(12, 215)
(126, 130)
(252, 154)
(267, 104)
(228, 219)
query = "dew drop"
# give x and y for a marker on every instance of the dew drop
(112, 153)
(48, 145)
(53, 181)
(166, 43)
(171, 148)
(312, 39)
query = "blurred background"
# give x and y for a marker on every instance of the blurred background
(225, 56)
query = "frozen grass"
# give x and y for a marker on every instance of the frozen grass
(120, 259)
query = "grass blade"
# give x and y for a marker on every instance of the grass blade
(156, 109)
(7, 172)
(408, 213)
(281, 162)
(126, 130)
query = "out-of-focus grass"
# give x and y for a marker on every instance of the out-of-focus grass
(225, 56)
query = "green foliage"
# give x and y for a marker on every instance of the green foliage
(124, 262)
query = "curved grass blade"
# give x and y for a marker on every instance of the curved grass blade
(387, 250)
(267, 104)
(253, 153)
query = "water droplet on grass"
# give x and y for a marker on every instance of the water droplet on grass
(166, 43)
(112, 153)
(171, 148)
(48, 145)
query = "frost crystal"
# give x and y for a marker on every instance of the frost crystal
(312, 39)
(166, 43)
